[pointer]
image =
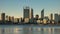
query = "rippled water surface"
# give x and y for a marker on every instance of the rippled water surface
(27, 29)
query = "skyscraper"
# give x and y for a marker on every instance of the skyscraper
(51, 18)
(42, 14)
(56, 18)
(26, 12)
(3, 17)
(31, 13)
(59, 18)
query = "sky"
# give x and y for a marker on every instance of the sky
(15, 7)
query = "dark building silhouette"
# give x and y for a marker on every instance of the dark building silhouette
(3, 17)
(42, 14)
(26, 12)
(51, 18)
(9, 18)
(59, 19)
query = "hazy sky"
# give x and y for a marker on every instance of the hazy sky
(15, 7)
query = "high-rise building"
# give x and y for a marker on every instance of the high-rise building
(56, 18)
(31, 13)
(3, 17)
(51, 18)
(42, 14)
(59, 19)
(26, 12)
(9, 18)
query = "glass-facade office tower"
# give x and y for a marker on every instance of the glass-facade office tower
(42, 14)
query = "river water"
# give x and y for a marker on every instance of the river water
(28, 29)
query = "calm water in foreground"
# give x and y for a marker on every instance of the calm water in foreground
(27, 29)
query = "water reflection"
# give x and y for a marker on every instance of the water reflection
(29, 30)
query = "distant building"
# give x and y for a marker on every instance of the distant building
(3, 17)
(51, 18)
(42, 14)
(7, 18)
(56, 18)
(31, 13)
(12, 18)
(20, 20)
(16, 20)
(36, 18)
(59, 19)
(27, 14)
(26, 20)
(45, 20)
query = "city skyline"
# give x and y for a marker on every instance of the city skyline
(15, 7)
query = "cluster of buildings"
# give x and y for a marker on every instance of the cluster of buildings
(28, 18)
